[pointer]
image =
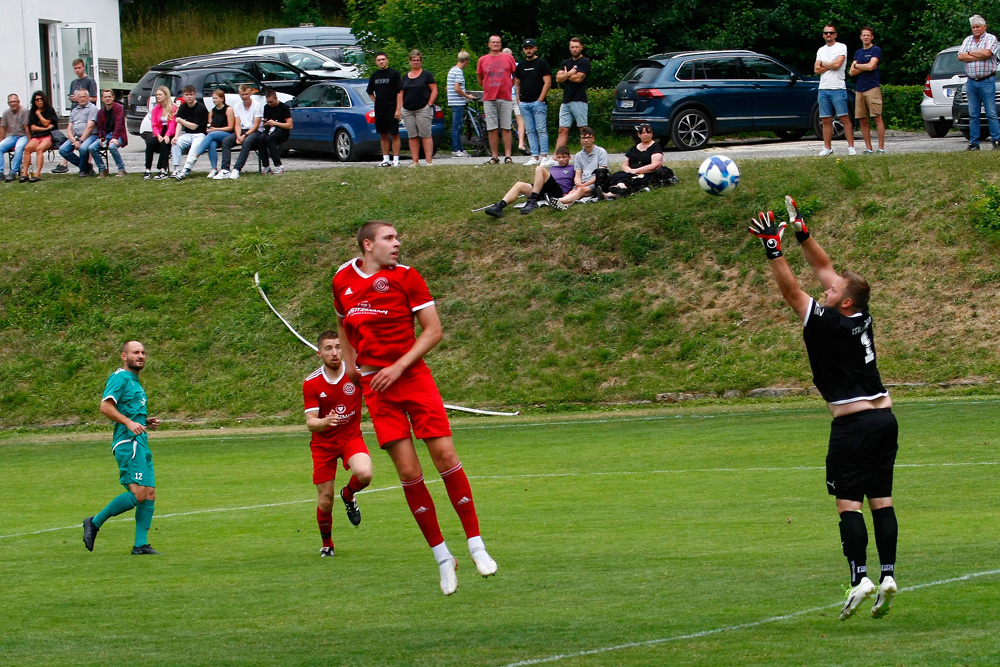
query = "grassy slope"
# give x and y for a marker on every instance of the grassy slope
(692, 524)
(661, 292)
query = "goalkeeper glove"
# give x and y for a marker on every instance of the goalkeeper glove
(763, 227)
(796, 221)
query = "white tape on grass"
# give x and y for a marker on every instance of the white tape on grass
(732, 628)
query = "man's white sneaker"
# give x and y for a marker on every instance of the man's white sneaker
(234, 174)
(883, 597)
(825, 152)
(222, 175)
(278, 170)
(449, 579)
(851, 151)
(266, 171)
(384, 163)
(212, 173)
(486, 566)
(548, 162)
(532, 162)
(855, 596)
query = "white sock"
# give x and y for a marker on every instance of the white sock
(441, 553)
(476, 544)
(385, 158)
(395, 159)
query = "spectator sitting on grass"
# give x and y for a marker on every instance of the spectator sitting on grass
(586, 164)
(550, 184)
(642, 160)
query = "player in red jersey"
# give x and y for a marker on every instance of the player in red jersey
(376, 300)
(333, 414)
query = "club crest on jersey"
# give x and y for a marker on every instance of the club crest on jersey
(349, 388)
(340, 409)
(381, 285)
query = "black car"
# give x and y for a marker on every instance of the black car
(272, 72)
(204, 79)
(691, 96)
(960, 114)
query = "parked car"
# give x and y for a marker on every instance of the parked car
(947, 73)
(306, 59)
(204, 79)
(691, 96)
(272, 72)
(339, 117)
(960, 114)
(307, 36)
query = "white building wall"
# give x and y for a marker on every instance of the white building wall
(20, 45)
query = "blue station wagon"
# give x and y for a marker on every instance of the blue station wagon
(691, 96)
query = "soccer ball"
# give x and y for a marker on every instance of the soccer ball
(718, 175)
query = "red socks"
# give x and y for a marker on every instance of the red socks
(325, 521)
(353, 486)
(422, 506)
(460, 493)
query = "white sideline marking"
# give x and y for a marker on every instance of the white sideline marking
(520, 476)
(730, 628)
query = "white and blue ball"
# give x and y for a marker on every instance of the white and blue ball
(718, 175)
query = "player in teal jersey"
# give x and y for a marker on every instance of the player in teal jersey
(124, 403)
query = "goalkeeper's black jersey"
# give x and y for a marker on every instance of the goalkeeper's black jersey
(842, 355)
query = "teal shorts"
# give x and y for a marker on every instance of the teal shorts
(135, 463)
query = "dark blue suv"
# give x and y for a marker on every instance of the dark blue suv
(691, 96)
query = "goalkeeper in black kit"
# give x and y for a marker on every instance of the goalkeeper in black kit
(840, 342)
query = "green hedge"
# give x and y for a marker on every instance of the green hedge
(901, 107)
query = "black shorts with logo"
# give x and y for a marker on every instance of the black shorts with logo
(862, 454)
(387, 123)
(551, 188)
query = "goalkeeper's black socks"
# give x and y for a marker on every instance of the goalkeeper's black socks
(854, 540)
(886, 534)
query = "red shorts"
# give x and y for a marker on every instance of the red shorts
(325, 458)
(412, 398)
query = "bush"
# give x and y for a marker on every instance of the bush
(986, 209)
(901, 107)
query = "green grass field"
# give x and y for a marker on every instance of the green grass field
(696, 536)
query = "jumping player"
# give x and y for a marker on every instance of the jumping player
(124, 403)
(376, 299)
(863, 437)
(333, 415)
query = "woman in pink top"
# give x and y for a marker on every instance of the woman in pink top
(163, 119)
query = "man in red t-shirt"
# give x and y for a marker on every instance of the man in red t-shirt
(495, 72)
(376, 299)
(333, 414)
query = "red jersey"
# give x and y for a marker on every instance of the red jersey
(377, 310)
(325, 395)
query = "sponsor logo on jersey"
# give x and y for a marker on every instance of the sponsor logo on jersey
(322, 394)
(349, 388)
(381, 285)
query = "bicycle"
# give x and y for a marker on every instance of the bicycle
(474, 138)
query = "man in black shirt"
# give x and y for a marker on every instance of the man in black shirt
(573, 75)
(533, 78)
(863, 438)
(276, 124)
(383, 87)
(192, 122)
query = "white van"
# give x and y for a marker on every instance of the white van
(307, 36)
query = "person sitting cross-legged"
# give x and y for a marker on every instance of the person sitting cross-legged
(550, 184)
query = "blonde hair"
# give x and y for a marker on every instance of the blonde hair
(463, 56)
(168, 100)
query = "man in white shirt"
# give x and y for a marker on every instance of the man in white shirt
(830, 64)
(248, 114)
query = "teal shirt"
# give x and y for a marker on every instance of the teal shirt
(130, 399)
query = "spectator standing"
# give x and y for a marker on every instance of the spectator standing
(979, 53)
(248, 113)
(42, 121)
(573, 75)
(192, 122)
(418, 92)
(111, 134)
(86, 82)
(13, 135)
(533, 78)
(457, 100)
(82, 120)
(516, 108)
(868, 99)
(163, 120)
(495, 72)
(384, 86)
(830, 60)
(276, 126)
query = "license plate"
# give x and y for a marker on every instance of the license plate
(627, 104)
(141, 108)
(949, 92)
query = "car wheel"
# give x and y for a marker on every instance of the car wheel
(690, 130)
(790, 135)
(937, 128)
(838, 127)
(344, 147)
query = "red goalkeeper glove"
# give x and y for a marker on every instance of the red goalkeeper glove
(764, 228)
(796, 221)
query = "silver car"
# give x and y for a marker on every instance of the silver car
(947, 73)
(302, 57)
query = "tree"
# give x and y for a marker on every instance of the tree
(296, 12)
